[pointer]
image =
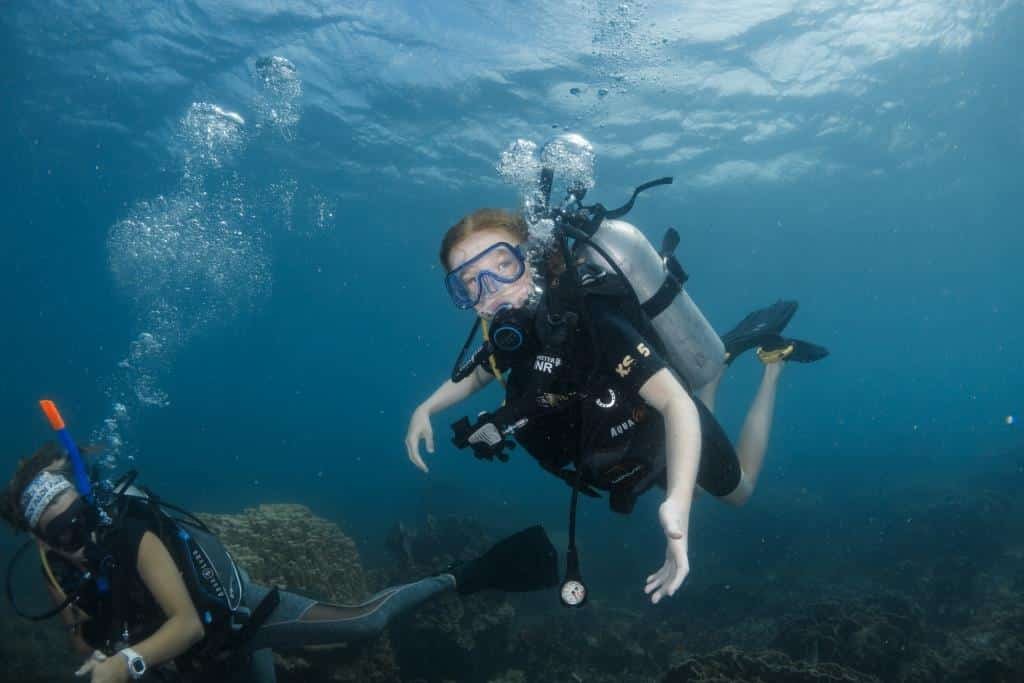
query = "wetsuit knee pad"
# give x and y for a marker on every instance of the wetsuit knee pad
(719, 473)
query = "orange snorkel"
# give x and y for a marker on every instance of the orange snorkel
(82, 482)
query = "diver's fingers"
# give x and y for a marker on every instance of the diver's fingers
(412, 447)
(657, 576)
(663, 570)
(680, 567)
(656, 580)
(90, 664)
(430, 440)
(676, 582)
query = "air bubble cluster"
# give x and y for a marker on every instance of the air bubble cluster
(279, 95)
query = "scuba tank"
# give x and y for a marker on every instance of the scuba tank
(693, 347)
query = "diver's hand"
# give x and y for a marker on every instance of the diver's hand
(667, 580)
(88, 665)
(108, 670)
(419, 429)
(112, 670)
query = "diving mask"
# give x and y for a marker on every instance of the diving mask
(489, 271)
(70, 530)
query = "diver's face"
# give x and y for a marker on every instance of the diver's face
(63, 525)
(513, 294)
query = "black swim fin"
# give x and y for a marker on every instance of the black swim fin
(758, 328)
(795, 350)
(525, 561)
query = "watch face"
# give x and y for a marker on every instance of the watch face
(573, 593)
(137, 665)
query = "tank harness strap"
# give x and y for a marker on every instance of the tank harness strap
(492, 361)
(675, 278)
(258, 617)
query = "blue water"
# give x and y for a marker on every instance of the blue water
(864, 161)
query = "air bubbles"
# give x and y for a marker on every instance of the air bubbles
(147, 357)
(145, 346)
(279, 75)
(213, 136)
(322, 209)
(280, 91)
(186, 260)
(571, 157)
(543, 230)
(181, 254)
(283, 209)
(518, 164)
(109, 435)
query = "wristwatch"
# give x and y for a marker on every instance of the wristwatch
(136, 664)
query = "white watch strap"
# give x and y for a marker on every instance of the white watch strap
(134, 658)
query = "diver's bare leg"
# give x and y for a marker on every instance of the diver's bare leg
(757, 427)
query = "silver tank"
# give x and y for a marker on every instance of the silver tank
(694, 348)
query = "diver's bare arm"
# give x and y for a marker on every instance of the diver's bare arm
(182, 629)
(665, 394)
(450, 393)
(446, 395)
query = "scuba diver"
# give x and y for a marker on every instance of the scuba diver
(610, 370)
(149, 591)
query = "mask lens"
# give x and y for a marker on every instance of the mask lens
(69, 530)
(491, 269)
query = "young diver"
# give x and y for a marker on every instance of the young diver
(157, 596)
(590, 381)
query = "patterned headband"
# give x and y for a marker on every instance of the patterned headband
(40, 493)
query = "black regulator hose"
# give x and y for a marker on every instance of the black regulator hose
(10, 590)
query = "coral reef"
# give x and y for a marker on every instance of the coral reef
(729, 665)
(452, 638)
(290, 547)
(598, 644)
(878, 637)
